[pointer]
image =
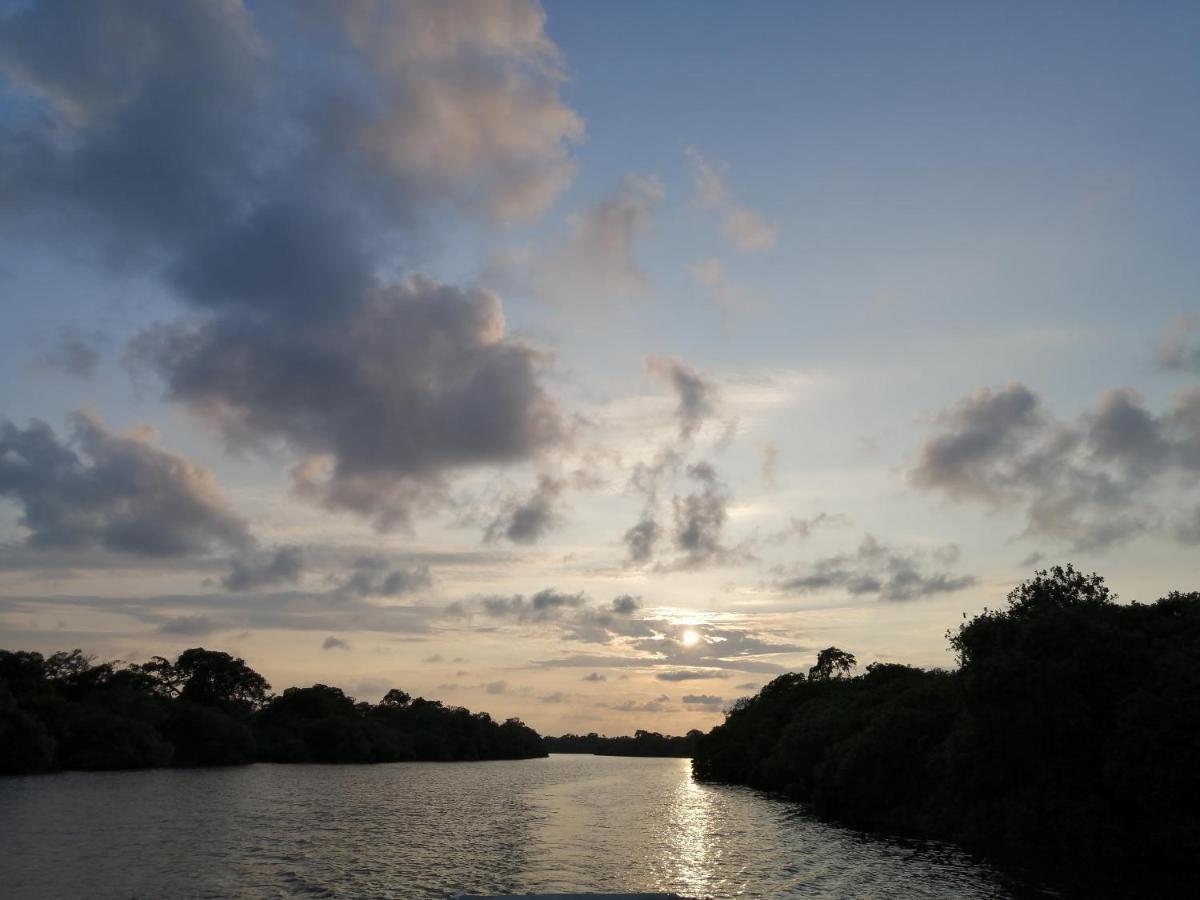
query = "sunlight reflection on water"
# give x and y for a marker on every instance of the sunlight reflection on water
(569, 823)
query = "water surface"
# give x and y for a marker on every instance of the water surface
(567, 823)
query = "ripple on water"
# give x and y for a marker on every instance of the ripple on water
(568, 823)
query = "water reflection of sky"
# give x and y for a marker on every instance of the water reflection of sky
(634, 825)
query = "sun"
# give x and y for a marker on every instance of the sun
(690, 638)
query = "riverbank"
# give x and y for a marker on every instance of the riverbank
(1066, 743)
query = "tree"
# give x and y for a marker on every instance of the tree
(396, 699)
(213, 678)
(1057, 592)
(832, 660)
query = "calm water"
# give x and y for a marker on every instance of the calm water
(568, 823)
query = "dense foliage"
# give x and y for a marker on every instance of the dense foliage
(643, 743)
(208, 708)
(1068, 741)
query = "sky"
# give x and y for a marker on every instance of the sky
(588, 364)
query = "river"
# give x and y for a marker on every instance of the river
(567, 823)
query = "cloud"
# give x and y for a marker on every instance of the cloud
(333, 643)
(979, 435)
(717, 648)
(595, 676)
(555, 697)
(113, 492)
(746, 230)
(73, 353)
(544, 606)
(704, 700)
(206, 144)
(625, 605)
(647, 706)
(741, 226)
(699, 520)
(709, 273)
(189, 626)
(412, 383)
(878, 570)
(454, 103)
(1179, 348)
(601, 625)
(496, 687)
(1087, 483)
(691, 675)
(595, 262)
(1188, 530)
(801, 528)
(258, 569)
(641, 539)
(527, 520)
(698, 516)
(697, 396)
(373, 576)
(286, 611)
(711, 190)
(472, 109)
(655, 643)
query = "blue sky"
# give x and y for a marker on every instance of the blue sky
(861, 312)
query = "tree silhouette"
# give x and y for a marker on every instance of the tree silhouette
(831, 660)
(1064, 744)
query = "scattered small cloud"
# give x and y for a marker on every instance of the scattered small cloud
(741, 226)
(73, 353)
(878, 570)
(691, 675)
(1086, 483)
(259, 569)
(1179, 348)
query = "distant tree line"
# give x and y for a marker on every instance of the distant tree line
(1067, 741)
(643, 743)
(209, 708)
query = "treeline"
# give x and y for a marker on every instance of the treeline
(643, 743)
(209, 708)
(1067, 742)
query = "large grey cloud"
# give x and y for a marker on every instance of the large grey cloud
(271, 163)
(416, 381)
(114, 492)
(876, 570)
(1088, 483)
